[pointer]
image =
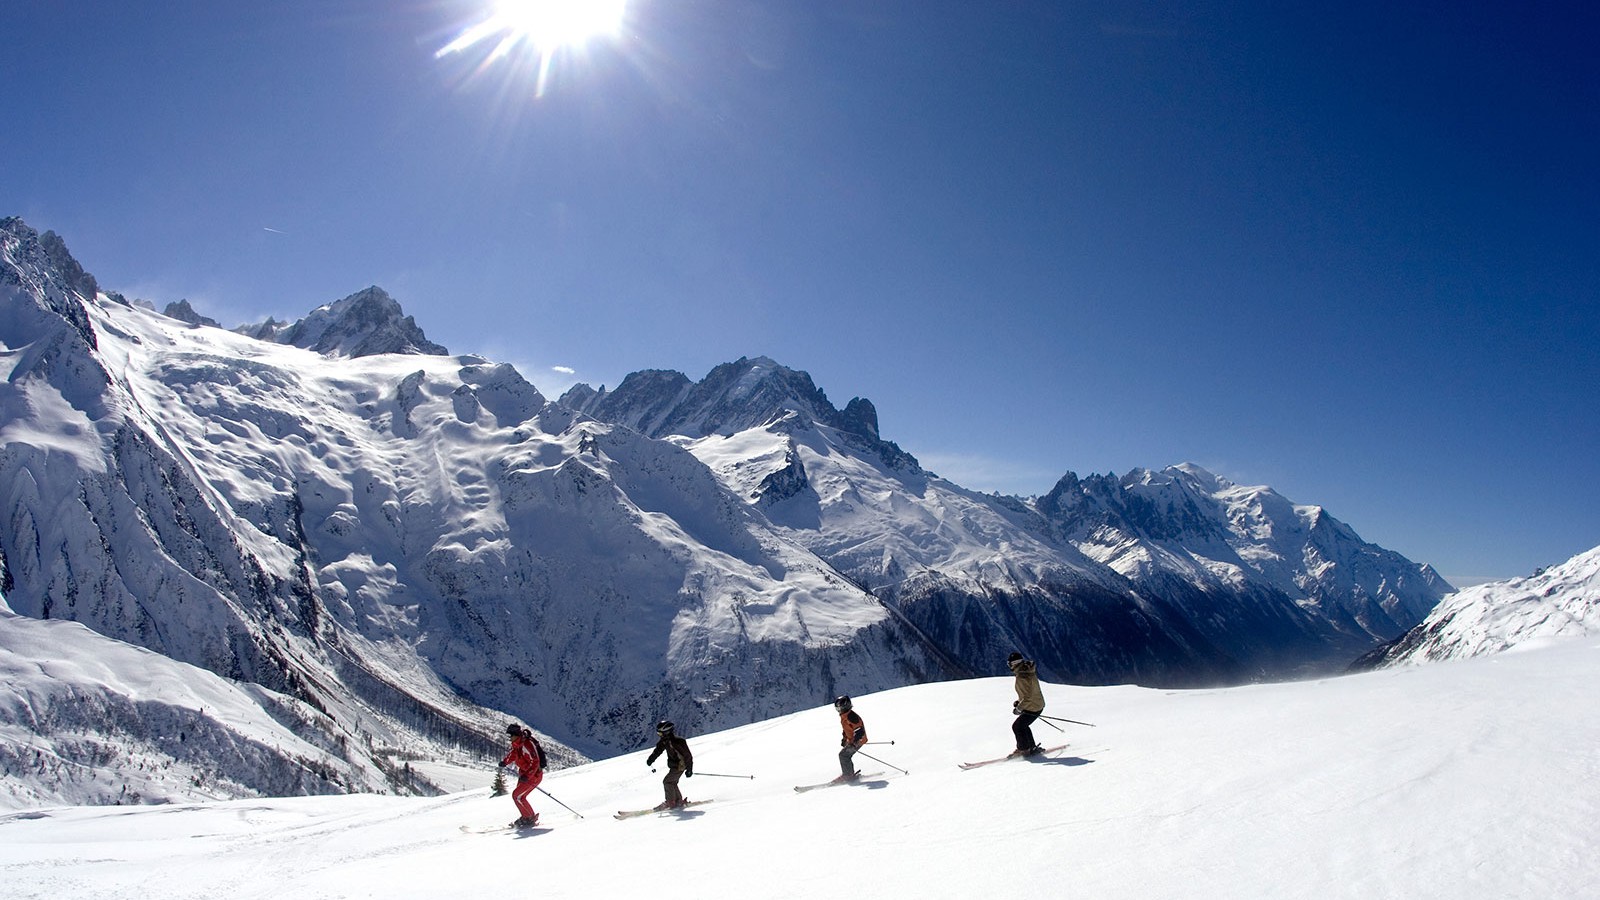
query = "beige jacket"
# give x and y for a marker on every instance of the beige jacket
(1029, 697)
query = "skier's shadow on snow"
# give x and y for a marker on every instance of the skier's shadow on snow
(1062, 761)
(877, 785)
(687, 814)
(523, 834)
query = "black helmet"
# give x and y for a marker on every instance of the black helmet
(1014, 658)
(663, 727)
(842, 704)
(514, 729)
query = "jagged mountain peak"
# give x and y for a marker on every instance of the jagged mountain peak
(184, 312)
(366, 323)
(42, 266)
(750, 392)
(46, 255)
(44, 295)
(747, 393)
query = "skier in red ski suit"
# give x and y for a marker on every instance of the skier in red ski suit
(528, 758)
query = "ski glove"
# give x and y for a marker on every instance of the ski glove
(689, 774)
(1016, 709)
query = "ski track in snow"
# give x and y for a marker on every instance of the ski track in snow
(1475, 778)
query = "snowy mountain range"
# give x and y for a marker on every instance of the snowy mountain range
(1521, 614)
(386, 549)
(1172, 576)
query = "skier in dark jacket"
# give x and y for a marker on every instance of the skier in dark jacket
(679, 762)
(528, 758)
(854, 737)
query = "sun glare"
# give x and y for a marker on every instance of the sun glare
(559, 23)
(540, 28)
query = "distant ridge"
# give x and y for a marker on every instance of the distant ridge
(1559, 602)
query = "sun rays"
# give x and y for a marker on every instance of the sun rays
(536, 32)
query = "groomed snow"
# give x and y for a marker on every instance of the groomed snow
(1464, 779)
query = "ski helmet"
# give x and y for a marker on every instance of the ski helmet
(664, 727)
(842, 704)
(514, 729)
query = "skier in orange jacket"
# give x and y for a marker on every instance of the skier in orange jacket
(854, 738)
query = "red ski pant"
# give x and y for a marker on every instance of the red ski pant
(525, 786)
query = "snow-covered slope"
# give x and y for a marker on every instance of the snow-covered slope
(1469, 779)
(88, 720)
(1559, 602)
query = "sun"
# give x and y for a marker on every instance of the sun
(540, 28)
(550, 24)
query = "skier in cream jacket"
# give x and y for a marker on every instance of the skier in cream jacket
(1029, 704)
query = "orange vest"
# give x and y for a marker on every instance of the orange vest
(855, 732)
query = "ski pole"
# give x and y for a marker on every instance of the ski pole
(1053, 725)
(877, 760)
(563, 805)
(715, 775)
(1073, 721)
(876, 743)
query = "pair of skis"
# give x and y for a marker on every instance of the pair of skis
(633, 813)
(1046, 751)
(841, 780)
(1010, 756)
(537, 829)
(503, 829)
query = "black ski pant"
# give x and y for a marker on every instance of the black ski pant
(1021, 728)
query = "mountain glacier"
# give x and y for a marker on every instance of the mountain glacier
(406, 546)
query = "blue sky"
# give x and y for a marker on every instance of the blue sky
(1348, 250)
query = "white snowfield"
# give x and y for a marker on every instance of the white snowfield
(1476, 778)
